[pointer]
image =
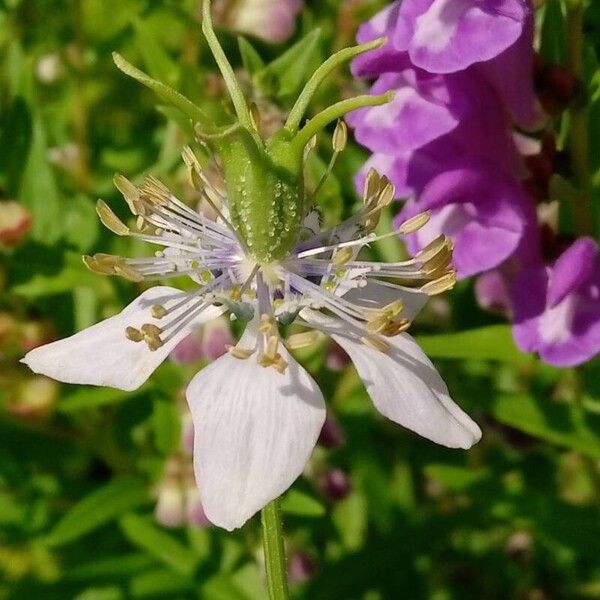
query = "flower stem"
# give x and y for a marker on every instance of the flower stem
(274, 550)
(578, 113)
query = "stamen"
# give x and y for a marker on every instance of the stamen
(133, 334)
(110, 220)
(415, 223)
(240, 352)
(159, 311)
(298, 341)
(376, 343)
(128, 272)
(372, 182)
(131, 194)
(442, 284)
(340, 136)
(342, 256)
(431, 249)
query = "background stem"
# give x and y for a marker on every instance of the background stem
(274, 550)
(578, 126)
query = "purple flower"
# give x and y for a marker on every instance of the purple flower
(557, 308)
(482, 211)
(491, 37)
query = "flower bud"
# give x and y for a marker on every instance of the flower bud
(332, 434)
(301, 567)
(195, 514)
(216, 336)
(337, 359)
(15, 221)
(34, 397)
(190, 349)
(170, 509)
(334, 484)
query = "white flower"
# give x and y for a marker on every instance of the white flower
(257, 413)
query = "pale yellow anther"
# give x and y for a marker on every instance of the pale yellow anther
(110, 220)
(155, 191)
(378, 324)
(431, 249)
(153, 342)
(150, 329)
(133, 334)
(393, 309)
(415, 223)
(340, 136)
(280, 364)
(342, 256)
(309, 147)
(439, 262)
(194, 169)
(128, 272)
(240, 352)
(375, 342)
(372, 182)
(297, 341)
(158, 311)
(386, 195)
(235, 293)
(442, 284)
(396, 327)
(94, 265)
(267, 324)
(255, 116)
(272, 345)
(130, 192)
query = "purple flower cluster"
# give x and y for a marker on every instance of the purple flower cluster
(463, 76)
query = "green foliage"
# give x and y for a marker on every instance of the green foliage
(515, 517)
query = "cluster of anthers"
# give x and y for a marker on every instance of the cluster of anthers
(321, 279)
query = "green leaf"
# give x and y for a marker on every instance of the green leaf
(164, 92)
(157, 61)
(250, 57)
(163, 546)
(350, 519)
(160, 583)
(297, 503)
(455, 478)
(98, 508)
(101, 593)
(39, 191)
(166, 422)
(16, 135)
(561, 424)
(81, 223)
(87, 398)
(487, 343)
(288, 72)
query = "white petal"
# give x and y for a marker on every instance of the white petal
(254, 429)
(406, 388)
(102, 355)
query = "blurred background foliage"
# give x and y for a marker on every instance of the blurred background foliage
(80, 469)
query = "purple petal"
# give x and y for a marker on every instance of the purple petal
(572, 270)
(451, 35)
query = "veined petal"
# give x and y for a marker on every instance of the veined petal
(406, 388)
(102, 354)
(255, 429)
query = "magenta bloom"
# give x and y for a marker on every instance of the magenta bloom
(557, 308)
(484, 212)
(493, 37)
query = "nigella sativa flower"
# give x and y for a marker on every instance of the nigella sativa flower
(265, 261)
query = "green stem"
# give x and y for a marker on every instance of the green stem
(579, 144)
(274, 550)
(299, 108)
(233, 87)
(334, 112)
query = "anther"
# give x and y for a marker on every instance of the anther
(128, 272)
(133, 334)
(386, 194)
(342, 256)
(415, 223)
(130, 193)
(371, 185)
(340, 136)
(431, 249)
(297, 341)
(158, 311)
(239, 351)
(271, 349)
(442, 284)
(150, 329)
(110, 220)
(376, 343)
(255, 117)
